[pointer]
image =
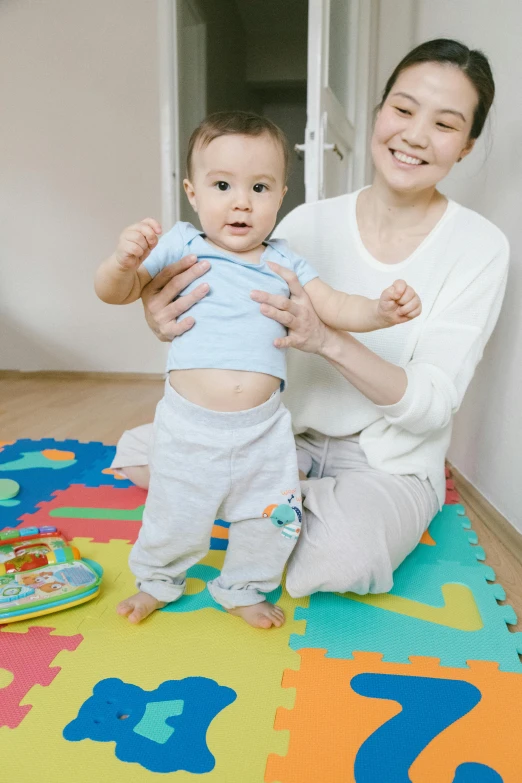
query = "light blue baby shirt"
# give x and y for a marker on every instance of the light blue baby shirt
(230, 332)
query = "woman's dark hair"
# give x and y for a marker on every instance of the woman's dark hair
(472, 62)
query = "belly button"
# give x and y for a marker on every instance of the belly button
(238, 389)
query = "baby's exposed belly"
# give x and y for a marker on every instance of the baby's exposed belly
(224, 390)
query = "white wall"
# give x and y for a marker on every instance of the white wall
(396, 33)
(487, 440)
(79, 158)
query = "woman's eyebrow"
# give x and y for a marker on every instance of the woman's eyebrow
(406, 95)
(453, 111)
(439, 111)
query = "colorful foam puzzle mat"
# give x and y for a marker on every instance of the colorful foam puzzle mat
(423, 684)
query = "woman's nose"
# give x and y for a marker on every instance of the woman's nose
(416, 134)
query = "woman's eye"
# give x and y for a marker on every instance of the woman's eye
(260, 188)
(402, 111)
(222, 185)
(446, 127)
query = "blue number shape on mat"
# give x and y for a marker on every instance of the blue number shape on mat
(429, 706)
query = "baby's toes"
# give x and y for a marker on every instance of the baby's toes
(264, 620)
(277, 616)
(124, 608)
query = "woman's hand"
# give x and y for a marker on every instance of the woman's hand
(162, 301)
(306, 331)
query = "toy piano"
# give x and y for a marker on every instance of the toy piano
(40, 573)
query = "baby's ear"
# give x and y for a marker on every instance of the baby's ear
(191, 194)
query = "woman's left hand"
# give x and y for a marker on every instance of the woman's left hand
(306, 331)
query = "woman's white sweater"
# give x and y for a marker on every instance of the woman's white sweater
(459, 272)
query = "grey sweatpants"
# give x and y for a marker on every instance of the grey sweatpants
(358, 523)
(239, 466)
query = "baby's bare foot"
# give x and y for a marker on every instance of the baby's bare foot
(138, 607)
(263, 615)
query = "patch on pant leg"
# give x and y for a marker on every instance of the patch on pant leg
(285, 515)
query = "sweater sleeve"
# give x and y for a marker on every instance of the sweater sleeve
(450, 346)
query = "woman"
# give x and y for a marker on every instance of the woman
(374, 420)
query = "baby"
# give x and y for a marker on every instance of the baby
(223, 443)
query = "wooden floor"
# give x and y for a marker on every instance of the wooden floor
(100, 408)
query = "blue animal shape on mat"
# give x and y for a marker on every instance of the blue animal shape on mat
(162, 730)
(429, 706)
(203, 599)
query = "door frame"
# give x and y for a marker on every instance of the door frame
(363, 54)
(168, 26)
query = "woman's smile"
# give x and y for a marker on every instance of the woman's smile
(405, 160)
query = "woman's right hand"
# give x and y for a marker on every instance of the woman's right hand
(162, 301)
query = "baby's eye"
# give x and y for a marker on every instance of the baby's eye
(223, 186)
(260, 188)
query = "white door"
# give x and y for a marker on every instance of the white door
(342, 37)
(182, 66)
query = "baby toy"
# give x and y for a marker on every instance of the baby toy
(40, 573)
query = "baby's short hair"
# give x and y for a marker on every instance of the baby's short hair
(241, 123)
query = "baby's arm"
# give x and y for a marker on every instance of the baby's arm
(352, 313)
(121, 278)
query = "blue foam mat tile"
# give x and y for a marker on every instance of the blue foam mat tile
(39, 477)
(93, 476)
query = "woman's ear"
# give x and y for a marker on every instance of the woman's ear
(467, 149)
(191, 194)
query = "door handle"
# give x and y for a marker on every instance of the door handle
(334, 148)
(301, 148)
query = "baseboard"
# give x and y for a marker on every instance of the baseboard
(72, 375)
(493, 519)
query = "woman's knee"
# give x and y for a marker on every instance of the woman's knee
(346, 574)
(343, 544)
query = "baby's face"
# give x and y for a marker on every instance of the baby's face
(237, 188)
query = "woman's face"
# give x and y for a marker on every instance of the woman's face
(423, 126)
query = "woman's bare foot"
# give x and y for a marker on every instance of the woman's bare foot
(138, 607)
(138, 474)
(263, 615)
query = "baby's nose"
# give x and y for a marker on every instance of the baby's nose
(242, 201)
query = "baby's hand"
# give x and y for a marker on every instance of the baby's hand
(398, 303)
(136, 242)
